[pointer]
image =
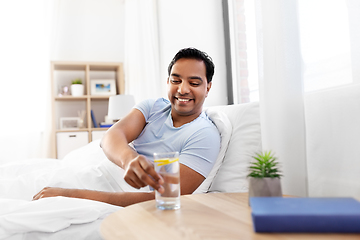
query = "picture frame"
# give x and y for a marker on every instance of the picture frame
(70, 123)
(102, 87)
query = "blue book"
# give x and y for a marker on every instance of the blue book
(93, 119)
(105, 125)
(316, 215)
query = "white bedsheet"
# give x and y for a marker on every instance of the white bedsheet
(84, 168)
(20, 181)
(48, 214)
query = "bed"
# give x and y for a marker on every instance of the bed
(88, 168)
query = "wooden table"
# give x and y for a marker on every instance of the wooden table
(201, 216)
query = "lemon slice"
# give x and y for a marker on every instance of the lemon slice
(165, 161)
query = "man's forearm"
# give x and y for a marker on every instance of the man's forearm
(122, 199)
(117, 150)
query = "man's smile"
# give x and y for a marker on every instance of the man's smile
(183, 99)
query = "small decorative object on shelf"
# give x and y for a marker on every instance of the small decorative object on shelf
(81, 115)
(64, 91)
(108, 122)
(77, 88)
(264, 176)
(103, 87)
(69, 123)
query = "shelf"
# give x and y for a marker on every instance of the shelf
(70, 98)
(85, 97)
(67, 106)
(99, 129)
(99, 97)
(72, 130)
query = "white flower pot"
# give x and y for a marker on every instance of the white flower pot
(77, 90)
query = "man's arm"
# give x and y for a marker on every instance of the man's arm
(189, 181)
(122, 199)
(139, 171)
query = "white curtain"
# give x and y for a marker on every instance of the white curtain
(281, 91)
(315, 135)
(142, 60)
(24, 63)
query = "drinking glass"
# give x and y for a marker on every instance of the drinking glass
(168, 167)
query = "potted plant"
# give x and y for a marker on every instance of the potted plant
(77, 88)
(264, 176)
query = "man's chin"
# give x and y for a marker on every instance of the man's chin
(183, 111)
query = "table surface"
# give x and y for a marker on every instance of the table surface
(201, 216)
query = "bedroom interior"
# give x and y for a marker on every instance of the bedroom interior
(289, 82)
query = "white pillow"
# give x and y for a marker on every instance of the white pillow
(224, 127)
(244, 143)
(90, 154)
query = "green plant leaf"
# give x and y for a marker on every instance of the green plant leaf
(76, 81)
(265, 165)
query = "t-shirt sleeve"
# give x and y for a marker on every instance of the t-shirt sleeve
(201, 150)
(145, 107)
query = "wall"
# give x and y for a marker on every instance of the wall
(91, 30)
(198, 24)
(88, 30)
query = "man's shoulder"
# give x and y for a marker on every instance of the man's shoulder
(155, 101)
(160, 104)
(204, 123)
(150, 106)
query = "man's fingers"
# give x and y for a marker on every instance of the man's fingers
(39, 194)
(152, 178)
(150, 170)
(141, 172)
(145, 178)
(36, 197)
(134, 181)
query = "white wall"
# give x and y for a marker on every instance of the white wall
(88, 30)
(91, 30)
(199, 24)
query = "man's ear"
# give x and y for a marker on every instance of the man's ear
(208, 88)
(167, 81)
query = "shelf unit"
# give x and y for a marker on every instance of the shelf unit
(62, 73)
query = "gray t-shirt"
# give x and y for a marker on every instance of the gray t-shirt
(197, 142)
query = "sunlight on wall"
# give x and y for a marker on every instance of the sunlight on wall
(325, 43)
(24, 63)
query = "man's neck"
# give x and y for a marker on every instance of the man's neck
(179, 120)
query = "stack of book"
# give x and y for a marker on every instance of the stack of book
(105, 125)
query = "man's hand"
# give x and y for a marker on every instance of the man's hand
(140, 172)
(52, 192)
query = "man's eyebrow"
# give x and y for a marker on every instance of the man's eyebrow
(175, 75)
(192, 77)
(196, 77)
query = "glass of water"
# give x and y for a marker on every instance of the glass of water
(168, 167)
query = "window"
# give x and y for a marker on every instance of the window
(325, 43)
(242, 31)
(329, 45)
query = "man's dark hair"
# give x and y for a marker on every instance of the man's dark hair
(194, 53)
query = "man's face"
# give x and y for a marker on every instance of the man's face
(187, 87)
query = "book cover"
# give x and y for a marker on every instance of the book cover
(105, 125)
(322, 215)
(93, 119)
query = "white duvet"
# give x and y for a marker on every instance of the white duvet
(85, 168)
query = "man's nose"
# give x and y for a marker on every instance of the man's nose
(183, 88)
